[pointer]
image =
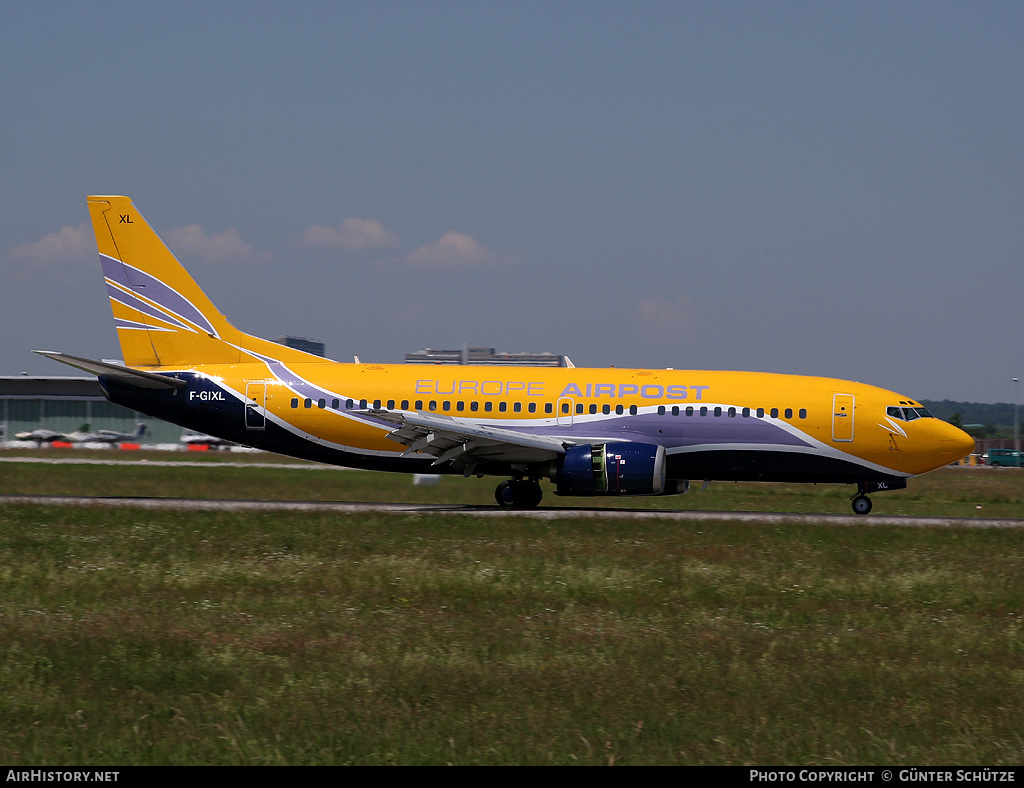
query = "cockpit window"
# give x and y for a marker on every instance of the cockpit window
(907, 414)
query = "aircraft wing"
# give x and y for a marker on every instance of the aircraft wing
(466, 444)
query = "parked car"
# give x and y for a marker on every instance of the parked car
(1009, 458)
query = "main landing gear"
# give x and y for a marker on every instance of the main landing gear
(518, 494)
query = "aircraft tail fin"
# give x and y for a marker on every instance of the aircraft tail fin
(163, 318)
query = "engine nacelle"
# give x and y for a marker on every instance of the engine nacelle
(612, 469)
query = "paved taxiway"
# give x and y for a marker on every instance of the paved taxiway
(559, 513)
(301, 466)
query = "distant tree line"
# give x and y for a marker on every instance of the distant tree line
(996, 419)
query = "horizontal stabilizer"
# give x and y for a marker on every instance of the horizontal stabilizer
(124, 375)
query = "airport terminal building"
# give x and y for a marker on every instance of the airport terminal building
(65, 404)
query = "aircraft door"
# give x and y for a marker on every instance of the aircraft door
(563, 411)
(255, 406)
(842, 417)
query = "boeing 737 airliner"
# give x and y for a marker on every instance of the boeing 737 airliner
(605, 432)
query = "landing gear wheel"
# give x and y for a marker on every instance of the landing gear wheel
(530, 494)
(861, 504)
(503, 495)
(518, 494)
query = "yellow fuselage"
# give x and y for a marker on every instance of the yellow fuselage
(691, 412)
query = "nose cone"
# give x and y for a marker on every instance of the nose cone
(954, 443)
(932, 444)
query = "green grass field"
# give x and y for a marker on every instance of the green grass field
(951, 492)
(131, 636)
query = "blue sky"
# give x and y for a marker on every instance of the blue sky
(818, 188)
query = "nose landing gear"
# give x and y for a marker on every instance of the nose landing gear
(861, 504)
(518, 494)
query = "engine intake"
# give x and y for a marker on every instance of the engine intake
(612, 469)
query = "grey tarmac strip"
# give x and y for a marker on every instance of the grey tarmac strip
(342, 507)
(216, 463)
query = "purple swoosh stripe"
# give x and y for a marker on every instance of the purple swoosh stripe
(678, 431)
(155, 290)
(131, 301)
(308, 390)
(299, 385)
(122, 323)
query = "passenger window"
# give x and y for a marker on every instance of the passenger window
(775, 413)
(579, 408)
(549, 408)
(405, 404)
(335, 404)
(689, 410)
(488, 406)
(376, 404)
(565, 407)
(295, 402)
(362, 404)
(502, 406)
(460, 405)
(533, 407)
(746, 413)
(307, 403)
(661, 410)
(446, 405)
(433, 405)
(474, 406)
(632, 410)
(803, 413)
(606, 409)
(760, 413)
(321, 403)
(593, 408)
(789, 413)
(718, 412)
(703, 410)
(675, 410)
(619, 409)
(517, 407)
(391, 404)
(419, 405)
(732, 413)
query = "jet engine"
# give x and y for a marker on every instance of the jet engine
(612, 469)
